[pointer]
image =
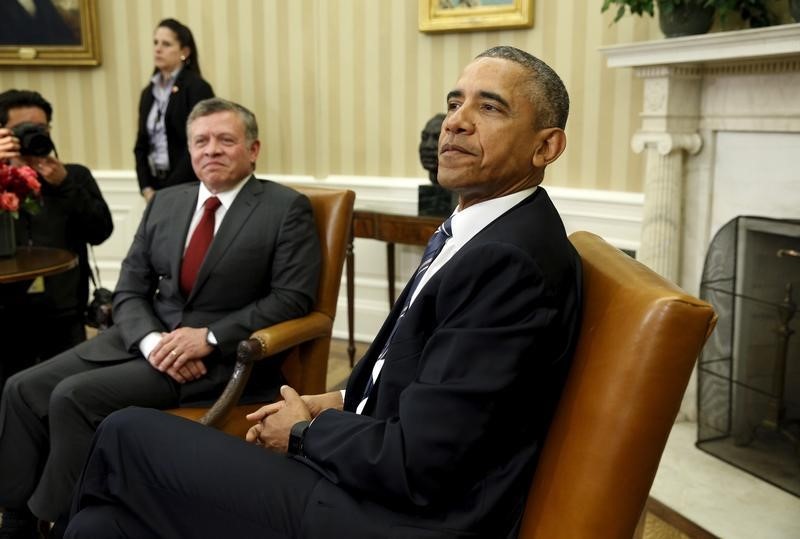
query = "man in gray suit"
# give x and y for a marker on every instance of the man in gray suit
(210, 263)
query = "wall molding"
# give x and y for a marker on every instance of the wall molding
(614, 215)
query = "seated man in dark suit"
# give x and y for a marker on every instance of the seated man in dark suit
(439, 429)
(210, 263)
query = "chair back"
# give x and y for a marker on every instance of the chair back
(307, 367)
(639, 339)
(333, 212)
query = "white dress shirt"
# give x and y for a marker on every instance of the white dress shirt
(156, 124)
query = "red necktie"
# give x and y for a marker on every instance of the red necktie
(198, 245)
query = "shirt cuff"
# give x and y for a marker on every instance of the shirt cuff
(149, 342)
(211, 338)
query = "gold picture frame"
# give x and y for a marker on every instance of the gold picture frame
(470, 15)
(58, 33)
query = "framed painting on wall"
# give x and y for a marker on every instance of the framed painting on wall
(49, 32)
(470, 15)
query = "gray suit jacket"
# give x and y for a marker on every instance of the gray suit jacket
(262, 268)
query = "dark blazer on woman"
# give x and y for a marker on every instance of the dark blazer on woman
(189, 88)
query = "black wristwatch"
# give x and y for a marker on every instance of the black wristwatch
(296, 437)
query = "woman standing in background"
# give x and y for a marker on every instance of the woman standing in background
(162, 157)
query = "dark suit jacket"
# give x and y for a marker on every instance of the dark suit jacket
(191, 88)
(262, 268)
(449, 438)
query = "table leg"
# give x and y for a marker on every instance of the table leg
(390, 271)
(350, 263)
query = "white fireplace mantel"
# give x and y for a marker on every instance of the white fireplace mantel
(756, 43)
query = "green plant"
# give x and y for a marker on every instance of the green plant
(754, 12)
(637, 7)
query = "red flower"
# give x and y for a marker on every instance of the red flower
(31, 179)
(9, 202)
(19, 186)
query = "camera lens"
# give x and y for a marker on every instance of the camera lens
(33, 139)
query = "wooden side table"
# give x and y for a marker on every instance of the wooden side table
(31, 262)
(390, 228)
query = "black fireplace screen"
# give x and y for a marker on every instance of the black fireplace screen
(749, 371)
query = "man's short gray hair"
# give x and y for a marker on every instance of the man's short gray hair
(217, 104)
(547, 91)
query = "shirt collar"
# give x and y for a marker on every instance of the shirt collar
(156, 78)
(225, 197)
(466, 223)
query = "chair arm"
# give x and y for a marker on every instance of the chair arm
(264, 343)
(275, 339)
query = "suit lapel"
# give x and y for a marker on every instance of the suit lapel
(177, 88)
(362, 371)
(235, 218)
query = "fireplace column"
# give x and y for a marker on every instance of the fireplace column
(669, 129)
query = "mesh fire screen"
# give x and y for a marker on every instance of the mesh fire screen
(749, 371)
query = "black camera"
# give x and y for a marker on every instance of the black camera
(98, 312)
(33, 139)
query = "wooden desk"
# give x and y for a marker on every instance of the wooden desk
(31, 262)
(390, 228)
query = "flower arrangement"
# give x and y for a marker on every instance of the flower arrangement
(19, 188)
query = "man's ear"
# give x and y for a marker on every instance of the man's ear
(254, 149)
(550, 143)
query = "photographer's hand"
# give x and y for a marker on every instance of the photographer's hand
(49, 168)
(9, 144)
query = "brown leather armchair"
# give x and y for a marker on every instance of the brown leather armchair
(307, 338)
(638, 343)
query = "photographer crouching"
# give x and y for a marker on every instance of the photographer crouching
(43, 317)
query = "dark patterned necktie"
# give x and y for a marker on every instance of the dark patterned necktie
(432, 250)
(198, 245)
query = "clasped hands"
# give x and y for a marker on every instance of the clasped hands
(275, 420)
(180, 354)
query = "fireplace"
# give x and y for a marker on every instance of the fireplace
(720, 129)
(749, 372)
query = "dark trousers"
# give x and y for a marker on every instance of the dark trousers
(29, 338)
(48, 415)
(150, 474)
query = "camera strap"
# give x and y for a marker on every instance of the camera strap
(93, 269)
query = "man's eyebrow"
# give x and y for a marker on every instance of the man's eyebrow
(484, 95)
(495, 97)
